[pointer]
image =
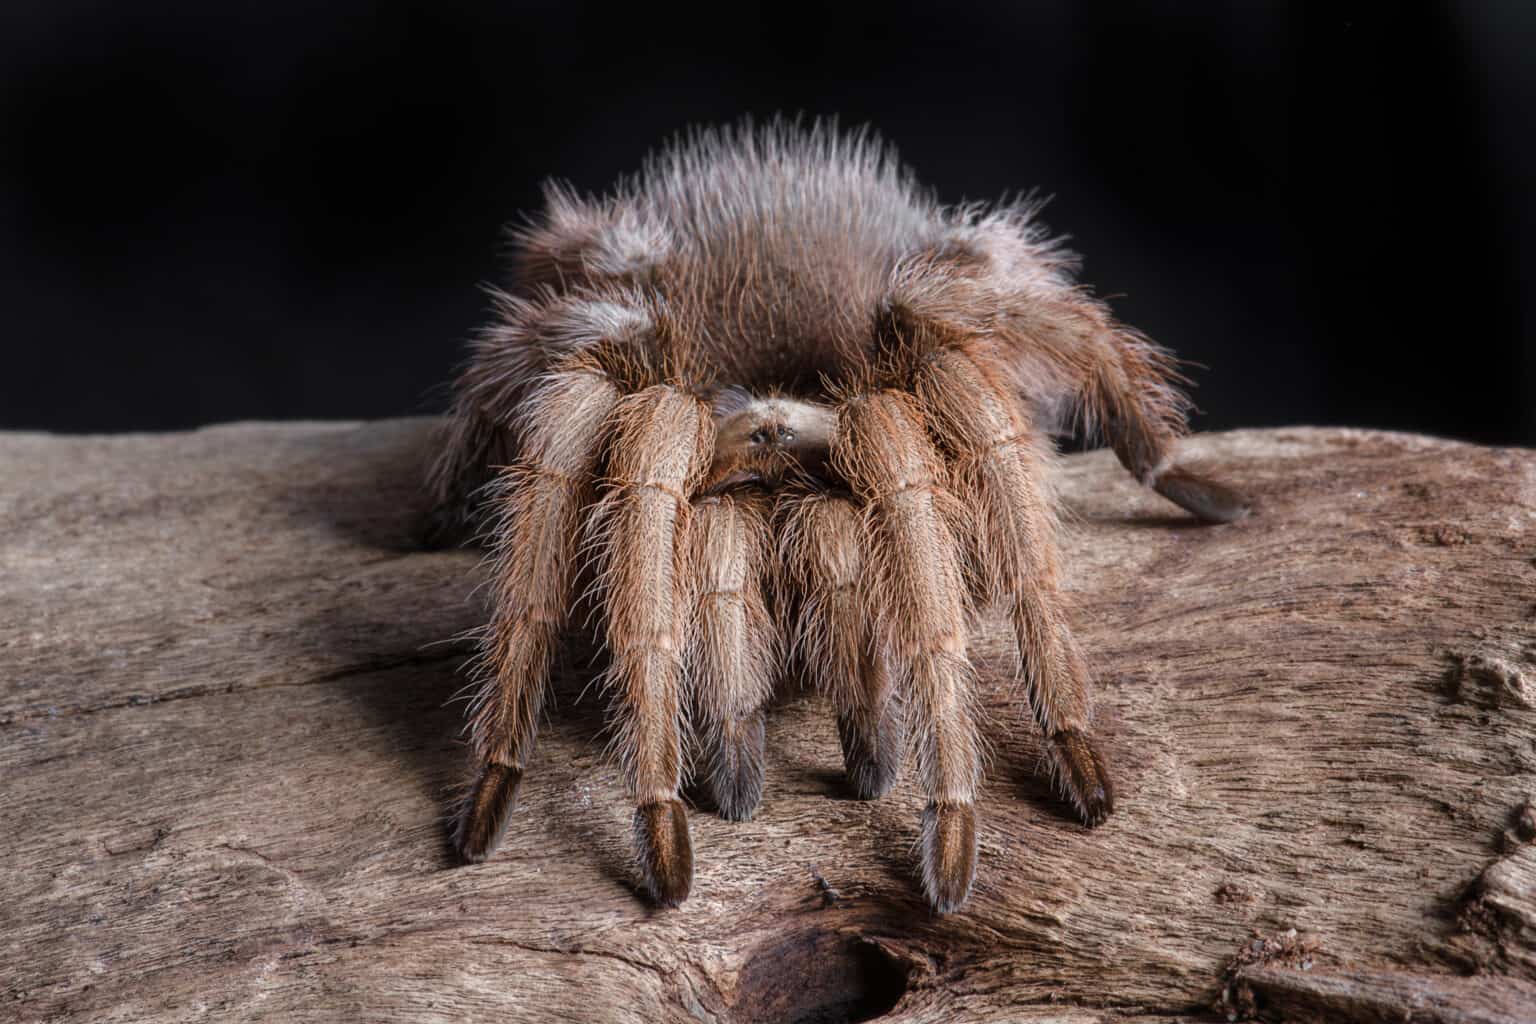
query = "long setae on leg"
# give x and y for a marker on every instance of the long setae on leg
(663, 439)
(534, 559)
(823, 556)
(999, 465)
(733, 650)
(918, 598)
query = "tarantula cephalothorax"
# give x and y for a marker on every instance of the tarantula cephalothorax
(770, 399)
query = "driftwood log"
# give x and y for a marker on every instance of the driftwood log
(228, 748)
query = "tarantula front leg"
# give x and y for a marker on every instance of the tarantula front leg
(663, 440)
(999, 461)
(918, 599)
(565, 424)
(824, 557)
(734, 646)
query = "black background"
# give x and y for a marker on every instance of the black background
(215, 211)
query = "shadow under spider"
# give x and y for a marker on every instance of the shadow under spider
(1018, 766)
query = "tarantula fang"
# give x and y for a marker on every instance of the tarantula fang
(768, 403)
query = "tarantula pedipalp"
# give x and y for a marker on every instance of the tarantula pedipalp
(775, 398)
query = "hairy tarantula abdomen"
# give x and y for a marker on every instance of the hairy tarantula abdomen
(771, 399)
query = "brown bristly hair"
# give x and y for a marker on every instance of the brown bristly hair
(780, 405)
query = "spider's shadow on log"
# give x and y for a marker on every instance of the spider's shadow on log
(1018, 768)
(392, 617)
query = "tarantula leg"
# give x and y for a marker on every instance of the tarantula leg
(663, 851)
(918, 596)
(999, 461)
(949, 853)
(1131, 394)
(487, 811)
(662, 444)
(823, 541)
(1080, 766)
(735, 765)
(1129, 398)
(733, 652)
(472, 445)
(1065, 349)
(546, 331)
(534, 568)
(1211, 501)
(872, 733)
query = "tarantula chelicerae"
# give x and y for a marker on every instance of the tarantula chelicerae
(769, 399)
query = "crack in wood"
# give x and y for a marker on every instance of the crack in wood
(138, 700)
(1273, 696)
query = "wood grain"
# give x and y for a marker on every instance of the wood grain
(228, 751)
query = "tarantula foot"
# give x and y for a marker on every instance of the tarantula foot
(665, 854)
(949, 854)
(1211, 501)
(484, 818)
(736, 777)
(872, 758)
(1080, 768)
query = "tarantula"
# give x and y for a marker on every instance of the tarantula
(769, 400)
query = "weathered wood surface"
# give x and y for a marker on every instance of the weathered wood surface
(227, 749)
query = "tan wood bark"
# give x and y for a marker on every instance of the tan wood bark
(227, 749)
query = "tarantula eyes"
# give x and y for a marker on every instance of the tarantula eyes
(819, 504)
(777, 433)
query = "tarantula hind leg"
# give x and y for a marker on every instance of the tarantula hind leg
(1214, 502)
(1143, 418)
